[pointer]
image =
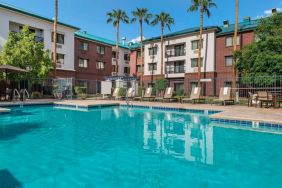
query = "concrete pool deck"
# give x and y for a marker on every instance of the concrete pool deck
(236, 112)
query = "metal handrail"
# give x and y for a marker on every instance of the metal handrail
(16, 92)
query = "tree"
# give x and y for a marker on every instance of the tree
(263, 57)
(142, 15)
(203, 6)
(115, 17)
(22, 51)
(235, 43)
(165, 20)
(55, 37)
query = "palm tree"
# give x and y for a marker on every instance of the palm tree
(115, 17)
(55, 36)
(235, 43)
(165, 20)
(142, 15)
(203, 6)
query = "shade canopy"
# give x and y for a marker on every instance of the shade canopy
(12, 69)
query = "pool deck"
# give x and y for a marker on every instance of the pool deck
(236, 112)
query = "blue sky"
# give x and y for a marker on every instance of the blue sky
(90, 15)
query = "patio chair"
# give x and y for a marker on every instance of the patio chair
(115, 94)
(195, 95)
(130, 93)
(264, 97)
(147, 95)
(225, 96)
(252, 99)
(167, 95)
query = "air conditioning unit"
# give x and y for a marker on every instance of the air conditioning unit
(58, 66)
(59, 46)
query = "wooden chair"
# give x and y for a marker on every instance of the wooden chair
(195, 95)
(225, 96)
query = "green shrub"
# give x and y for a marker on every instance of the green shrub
(36, 95)
(179, 92)
(80, 91)
(140, 91)
(122, 92)
(161, 84)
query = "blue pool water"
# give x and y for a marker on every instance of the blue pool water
(119, 147)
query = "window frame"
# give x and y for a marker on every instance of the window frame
(57, 41)
(154, 65)
(85, 62)
(99, 49)
(98, 65)
(153, 51)
(191, 60)
(225, 58)
(82, 46)
(232, 41)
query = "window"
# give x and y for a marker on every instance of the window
(101, 50)
(126, 70)
(152, 66)
(179, 50)
(138, 69)
(83, 63)
(179, 67)
(227, 84)
(153, 51)
(178, 86)
(126, 57)
(195, 44)
(228, 61)
(194, 62)
(60, 58)
(60, 38)
(84, 46)
(100, 65)
(139, 55)
(229, 41)
(114, 54)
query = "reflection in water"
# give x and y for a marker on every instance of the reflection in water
(187, 137)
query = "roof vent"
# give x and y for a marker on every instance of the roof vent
(225, 23)
(84, 32)
(123, 40)
(247, 19)
(274, 11)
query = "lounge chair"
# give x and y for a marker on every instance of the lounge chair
(264, 97)
(147, 95)
(195, 95)
(225, 96)
(115, 94)
(252, 100)
(167, 95)
(130, 93)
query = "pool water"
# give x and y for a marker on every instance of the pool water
(43, 146)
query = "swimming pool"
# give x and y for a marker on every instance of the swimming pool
(46, 146)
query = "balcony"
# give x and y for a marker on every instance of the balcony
(175, 70)
(38, 39)
(175, 53)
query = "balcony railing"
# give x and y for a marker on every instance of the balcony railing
(174, 70)
(175, 53)
(38, 39)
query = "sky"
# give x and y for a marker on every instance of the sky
(90, 15)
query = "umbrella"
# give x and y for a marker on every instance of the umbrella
(11, 69)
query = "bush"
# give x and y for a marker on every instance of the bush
(36, 95)
(160, 84)
(80, 92)
(122, 92)
(179, 92)
(140, 91)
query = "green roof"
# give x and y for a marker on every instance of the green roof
(183, 32)
(248, 25)
(18, 10)
(87, 36)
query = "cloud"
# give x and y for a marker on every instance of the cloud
(137, 39)
(269, 11)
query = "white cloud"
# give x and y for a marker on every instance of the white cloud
(269, 11)
(137, 39)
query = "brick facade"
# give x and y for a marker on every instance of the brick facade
(224, 73)
(91, 72)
